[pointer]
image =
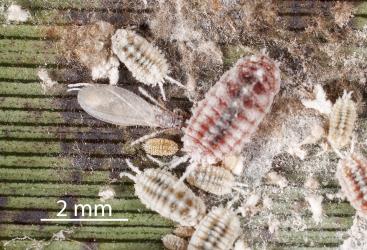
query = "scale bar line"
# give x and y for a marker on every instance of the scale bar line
(85, 220)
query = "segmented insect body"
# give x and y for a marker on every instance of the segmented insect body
(146, 63)
(160, 191)
(232, 110)
(341, 121)
(213, 179)
(173, 242)
(217, 231)
(119, 106)
(160, 147)
(352, 176)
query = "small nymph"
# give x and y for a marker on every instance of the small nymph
(342, 120)
(146, 63)
(213, 179)
(160, 191)
(217, 231)
(160, 147)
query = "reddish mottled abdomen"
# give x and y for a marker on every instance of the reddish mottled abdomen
(232, 109)
(352, 177)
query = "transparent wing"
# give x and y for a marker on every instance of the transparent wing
(117, 106)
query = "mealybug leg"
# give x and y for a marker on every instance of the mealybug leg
(160, 163)
(352, 144)
(73, 89)
(175, 82)
(189, 169)
(239, 184)
(335, 149)
(148, 136)
(151, 98)
(162, 91)
(77, 86)
(232, 201)
(177, 161)
(130, 176)
(81, 84)
(132, 167)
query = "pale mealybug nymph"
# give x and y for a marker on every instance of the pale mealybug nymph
(352, 176)
(119, 106)
(160, 147)
(213, 179)
(173, 242)
(217, 231)
(162, 192)
(341, 121)
(146, 63)
(216, 179)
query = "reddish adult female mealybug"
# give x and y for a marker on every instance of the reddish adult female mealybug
(232, 110)
(352, 176)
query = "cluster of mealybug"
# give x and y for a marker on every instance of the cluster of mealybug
(232, 110)
(146, 63)
(352, 176)
(217, 231)
(341, 121)
(160, 191)
(215, 134)
(160, 147)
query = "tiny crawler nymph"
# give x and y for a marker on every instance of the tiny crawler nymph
(146, 63)
(160, 147)
(119, 106)
(160, 191)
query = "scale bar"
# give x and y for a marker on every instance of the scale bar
(85, 220)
